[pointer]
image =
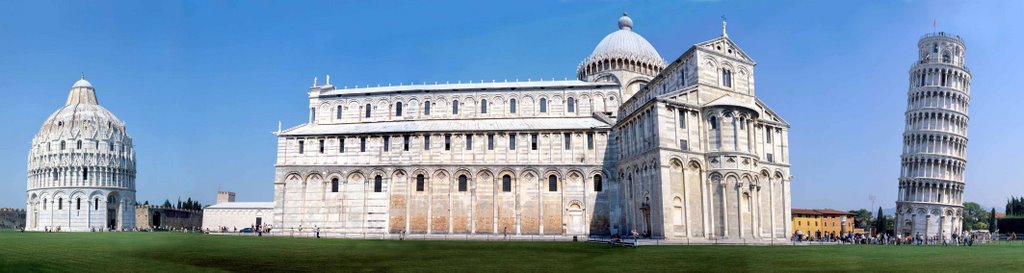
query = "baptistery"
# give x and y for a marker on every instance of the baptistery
(81, 168)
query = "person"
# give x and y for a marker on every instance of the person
(505, 233)
(317, 230)
(635, 235)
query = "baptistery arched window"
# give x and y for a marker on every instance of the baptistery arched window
(512, 106)
(334, 185)
(78, 204)
(552, 183)
(543, 105)
(398, 109)
(506, 183)
(62, 145)
(455, 107)
(419, 182)
(338, 112)
(44, 203)
(378, 184)
(571, 104)
(85, 173)
(426, 108)
(60, 203)
(483, 106)
(96, 204)
(368, 110)
(78, 145)
(463, 183)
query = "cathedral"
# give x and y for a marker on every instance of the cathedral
(81, 169)
(679, 149)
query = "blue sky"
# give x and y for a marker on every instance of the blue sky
(202, 84)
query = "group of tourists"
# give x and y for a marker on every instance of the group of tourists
(956, 239)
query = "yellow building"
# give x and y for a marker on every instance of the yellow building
(816, 223)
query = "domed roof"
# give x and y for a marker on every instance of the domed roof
(82, 116)
(624, 43)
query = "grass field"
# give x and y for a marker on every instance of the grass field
(177, 252)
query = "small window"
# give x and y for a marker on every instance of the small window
(568, 141)
(362, 144)
(334, 185)
(682, 119)
(571, 104)
(341, 145)
(552, 183)
(79, 146)
(490, 142)
(945, 58)
(62, 145)
(455, 107)
(726, 77)
(597, 183)
(426, 108)
(935, 48)
(682, 145)
(483, 106)
(543, 105)
(85, 174)
(447, 142)
(533, 141)
(714, 122)
(405, 143)
(302, 146)
(398, 109)
(768, 134)
(78, 204)
(312, 114)
(469, 142)
(506, 183)
(95, 204)
(590, 141)
(44, 204)
(322, 146)
(426, 143)
(378, 184)
(419, 182)
(387, 143)
(60, 203)
(512, 106)
(770, 157)
(462, 183)
(337, 113)
(368, 107)
(511, 141)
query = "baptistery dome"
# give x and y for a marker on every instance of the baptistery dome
(81, 168)
(622, 57)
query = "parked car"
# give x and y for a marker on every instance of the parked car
(247, 230)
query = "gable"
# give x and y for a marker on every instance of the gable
(725, 47)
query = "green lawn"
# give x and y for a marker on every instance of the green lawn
(116, 252)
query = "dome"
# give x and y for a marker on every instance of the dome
(82, 116)
(626, 44)
(82, 83)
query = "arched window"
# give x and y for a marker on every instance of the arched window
(462, 183)
(726, 77)
(60, 203)
(455, 107)
(96, 204)
(506, 183)
(56, 175)
(512, 106)
(378, 183)
(426, 108)
(85, 173)
(597, 183)
(714, 122)
(552, 183)
(398, 109)
(945, 58)
(419, 182)
(334, 185)
(44, 203)
(337, 113)
(483, 106)
(368, 110)
(79, 145)
(78, 204)
(62, 144)
(572, 105)
(543, 105)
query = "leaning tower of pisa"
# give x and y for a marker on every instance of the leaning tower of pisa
(931, 184)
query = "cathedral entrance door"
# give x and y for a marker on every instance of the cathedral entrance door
(576, 225)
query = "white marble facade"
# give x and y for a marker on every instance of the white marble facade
(678, 150)
(931, 183)
(81, 169)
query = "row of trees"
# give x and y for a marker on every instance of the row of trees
(1015, 206)
(187, 204)
(974, 218)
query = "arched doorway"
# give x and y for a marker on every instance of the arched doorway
(155, 219)
(576, 223)
(113, 211)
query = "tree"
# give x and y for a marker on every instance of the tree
(1015, 206)
(167, 204)
(992, 221)
(975, 217)
(880, 224)
(861, 218)
(146, 204)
